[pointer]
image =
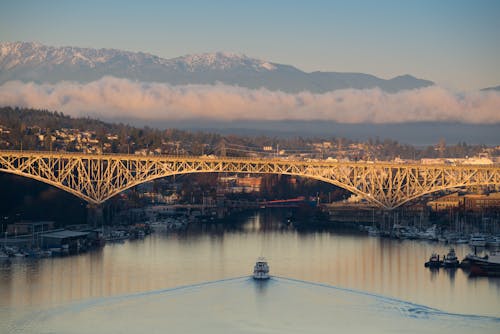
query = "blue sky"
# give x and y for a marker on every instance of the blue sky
(454, 43)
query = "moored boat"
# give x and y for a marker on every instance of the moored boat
(429, 234)
(477, 240)
(451, 260)
(469, 259)
(493, 241)
(434, 261)
(261, 269)
(373, 231)
(486, 266)
(117, 236)
(462, 240)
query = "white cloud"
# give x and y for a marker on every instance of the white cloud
(112, 97)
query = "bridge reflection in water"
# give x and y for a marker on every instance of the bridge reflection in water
(98, 177)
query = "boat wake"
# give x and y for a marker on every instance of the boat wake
(244, 305)
(406, 308)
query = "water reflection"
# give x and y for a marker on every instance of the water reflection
(433, 272)
(261, 286)
(451, 273)
(212, 252)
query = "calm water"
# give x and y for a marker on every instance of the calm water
(198, 281)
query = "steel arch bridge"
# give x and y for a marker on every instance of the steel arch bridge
(97, 177)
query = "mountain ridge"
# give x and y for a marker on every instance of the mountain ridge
(32, 61)
(494, 88)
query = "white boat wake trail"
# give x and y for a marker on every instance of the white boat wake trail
(243, 305)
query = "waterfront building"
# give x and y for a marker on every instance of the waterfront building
(236, 184)
(74, 239)
(473, 202)
(249, 183)
(469, 202)
(445, 203)
(29, 228)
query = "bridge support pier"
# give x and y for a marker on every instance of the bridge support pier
(95, 215)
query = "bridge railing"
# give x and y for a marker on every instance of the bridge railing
(312, 162)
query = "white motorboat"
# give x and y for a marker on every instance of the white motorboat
(462, 240)
(261, 269)
(477, 240)
(373, 231)
(493, 241)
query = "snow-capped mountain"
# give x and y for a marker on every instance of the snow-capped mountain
(40, 63)
(20, 54)
(220, 61)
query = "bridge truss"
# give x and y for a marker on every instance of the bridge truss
(96, 178)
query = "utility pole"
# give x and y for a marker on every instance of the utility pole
(222, 148)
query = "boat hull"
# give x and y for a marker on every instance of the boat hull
(485, 269)
(433, 264)
(451, 264)
(261, 276)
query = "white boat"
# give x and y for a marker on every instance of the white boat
(493, 241)
(442, 238)
(477, 240)
(404, 232)
(158, 226)
(261, 269)
(117, 236)
(43, 253)
(429, 234)
(462, 240)
(373, 231)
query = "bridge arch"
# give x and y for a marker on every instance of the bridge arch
(329, 181)
(51, 183)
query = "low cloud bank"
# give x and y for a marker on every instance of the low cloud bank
(112, 97)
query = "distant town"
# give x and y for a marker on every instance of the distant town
(29, 129)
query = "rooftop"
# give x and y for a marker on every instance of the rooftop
(65, 234)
